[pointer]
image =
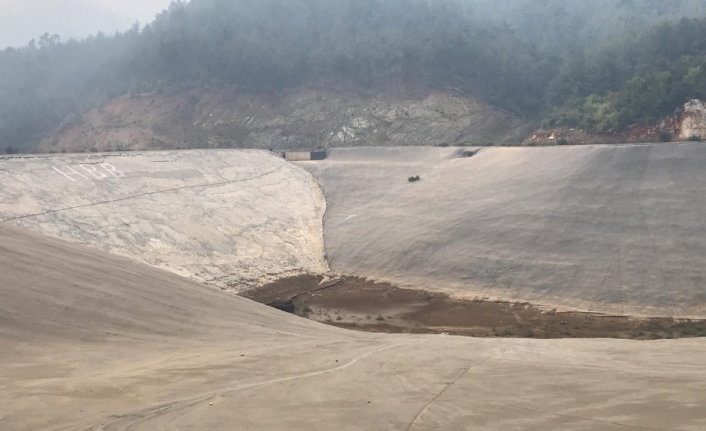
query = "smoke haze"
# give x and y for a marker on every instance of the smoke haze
(23, 20)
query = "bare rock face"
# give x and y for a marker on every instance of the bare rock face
(305, 118)
(687, 122)
(693, 120)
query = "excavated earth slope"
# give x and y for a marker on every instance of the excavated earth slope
(91, 341)
(234, 219)
(304, 118)
(607, 229)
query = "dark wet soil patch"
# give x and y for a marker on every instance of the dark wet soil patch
(364, 305)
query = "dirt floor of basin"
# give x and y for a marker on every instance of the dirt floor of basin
(363, 305)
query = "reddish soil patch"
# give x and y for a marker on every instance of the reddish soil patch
(636, 133)
(364, 305)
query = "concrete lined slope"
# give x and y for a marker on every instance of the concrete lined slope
(91, 341)
(609, 229)
(235, 219)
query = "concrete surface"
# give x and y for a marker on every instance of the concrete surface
(234, 219)
(91, 341)
(608, 229)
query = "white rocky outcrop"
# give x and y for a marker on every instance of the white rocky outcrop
(693, 120)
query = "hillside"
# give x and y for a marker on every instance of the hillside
(304, 118)
(600, 66)
(687, 123)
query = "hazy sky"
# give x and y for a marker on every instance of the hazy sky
(22, 20)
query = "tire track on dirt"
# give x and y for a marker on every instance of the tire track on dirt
(129, 420)
(431, 402)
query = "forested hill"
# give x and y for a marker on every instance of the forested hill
(601, 64)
